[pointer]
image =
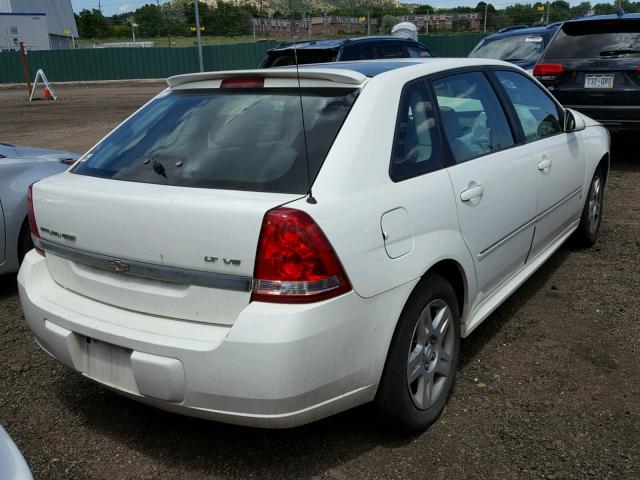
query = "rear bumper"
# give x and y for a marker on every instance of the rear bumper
(613, 117)
(277, 366)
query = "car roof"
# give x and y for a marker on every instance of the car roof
(612, 16)
(335, 44)
(347, 73)
(524, 30)
(368, 68)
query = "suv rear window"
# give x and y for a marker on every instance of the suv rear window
(596, 39)
(228, 139)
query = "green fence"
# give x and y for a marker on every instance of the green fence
(451, 45)
(125, 63)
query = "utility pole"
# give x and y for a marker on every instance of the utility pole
(548, 9)
(368, 23)
(25, 67)
(428, 19)
(486, 8)
(198, 39)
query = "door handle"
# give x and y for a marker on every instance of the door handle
(471, 193)
(545, 164)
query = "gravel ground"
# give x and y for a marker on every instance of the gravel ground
(548, 386)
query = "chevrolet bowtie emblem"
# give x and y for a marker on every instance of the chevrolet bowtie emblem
(118, 266)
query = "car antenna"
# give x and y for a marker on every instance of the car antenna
(310, 198)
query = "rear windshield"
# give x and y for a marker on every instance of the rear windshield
(227, 139)
(596, 39)
(511, 49)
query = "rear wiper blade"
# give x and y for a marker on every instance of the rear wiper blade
(622, 51)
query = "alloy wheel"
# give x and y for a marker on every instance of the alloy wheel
(595, 205)
(430, 354)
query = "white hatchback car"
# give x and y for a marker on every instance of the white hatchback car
(219, 257)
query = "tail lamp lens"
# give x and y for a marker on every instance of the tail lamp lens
(295, 262)
(548, 71)
(35, 233)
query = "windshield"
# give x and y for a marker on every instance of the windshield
(229, 139)
(514, 48)
(596, 39)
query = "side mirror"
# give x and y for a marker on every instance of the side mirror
(573, 121)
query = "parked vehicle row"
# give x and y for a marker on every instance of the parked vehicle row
(273, 246)
(590, 64)
(358, 48)
(593, 65)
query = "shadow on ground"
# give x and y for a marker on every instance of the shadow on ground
(8, 286)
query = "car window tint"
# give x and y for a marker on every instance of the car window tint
(390, 51)
(611, 38)
(416, 147)
(472, 117)
(417, 52)
(538, 114)
(234, 139)
(358, 53)
(512, 48)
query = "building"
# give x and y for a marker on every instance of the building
(446, 21)
(327, 25)
(30, 28)
(31, 19)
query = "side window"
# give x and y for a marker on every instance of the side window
(358, 53)
(416, 147)
(417, 52)
(390, 51)
(538, 114)
(473, 119)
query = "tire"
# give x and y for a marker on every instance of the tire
(24, 242)
(587, 232)
(415, 359)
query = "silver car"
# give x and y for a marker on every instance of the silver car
(12, 464)
(19, 168)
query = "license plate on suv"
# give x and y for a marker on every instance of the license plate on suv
(598, 81)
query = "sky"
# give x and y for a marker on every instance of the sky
(111, 7)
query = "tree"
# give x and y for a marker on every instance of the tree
(92, 24)
(423, 9)
(387, 23)
(149, 20)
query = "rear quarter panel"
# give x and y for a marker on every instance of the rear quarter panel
(354, 190)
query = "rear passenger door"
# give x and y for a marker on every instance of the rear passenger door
(558, 156)
(494, 179)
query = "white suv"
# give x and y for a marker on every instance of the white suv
(213, 257)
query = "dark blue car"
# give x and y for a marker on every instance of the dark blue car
(521, 45)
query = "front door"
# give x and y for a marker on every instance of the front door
(558, 158)
(494, 181)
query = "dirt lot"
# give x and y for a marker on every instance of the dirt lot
(560, 362)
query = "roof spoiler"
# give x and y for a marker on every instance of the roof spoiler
(330, 74)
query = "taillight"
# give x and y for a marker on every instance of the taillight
(35, 233)
(548, 71)
(295, 262)
(243, 82)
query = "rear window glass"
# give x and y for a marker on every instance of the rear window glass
(596, 39)
(511, 49)
(227, 139)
